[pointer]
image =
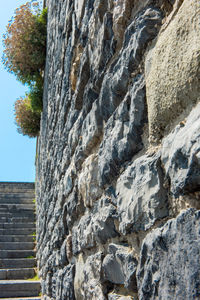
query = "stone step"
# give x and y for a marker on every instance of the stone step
(17, 200)
(19, 288)
(19, 214)
(25, 273)
(17, 263)
(17, 185)
(16, 207)
(18, 218)
(17, 246)
(22, 298)
(15, 190)
(16, 253)
(17, 225)
(17, 197)
(18, 231)
(16, 238)
(17, 193)
(28, 219)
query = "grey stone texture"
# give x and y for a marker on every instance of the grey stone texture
(119, 266)
(88, 278)
(181, 155)
(169, 262)
(105, 194)
(141, 197)
(96, 227)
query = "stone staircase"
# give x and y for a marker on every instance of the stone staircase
(17, 254)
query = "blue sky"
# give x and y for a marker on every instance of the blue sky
(17, 152)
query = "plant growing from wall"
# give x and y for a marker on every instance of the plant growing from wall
(24, 55)
(27, 120)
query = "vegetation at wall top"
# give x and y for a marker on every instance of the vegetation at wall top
(24, 55)
(27, 120)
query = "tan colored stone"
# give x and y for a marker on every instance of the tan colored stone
(79, 278)
(75, 66)
(177, 205)
(121, 14)
(173, 69)
(113, 296)
(69, 246)
(88, 181)
(87, 283)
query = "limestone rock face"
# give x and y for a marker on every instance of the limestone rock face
(181, 155)
(166, 254)
(87, 281)
(118, 217)
(141, 196)
(119, 266)
(173, 69)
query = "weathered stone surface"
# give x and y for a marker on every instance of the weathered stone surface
(119, 266)
(100, 188)
(172, 71)
(112, 296)
(102, 43)
(91, 128)
(136, 38)
(62, 283)
(141, 197)
(181, 155)
(67, 287)
(122, 133)
(71, 209)
(121, 15)
(88, 181)
(169, 264)
(87, 283)
(96, 227)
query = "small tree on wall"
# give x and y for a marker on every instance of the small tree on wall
(25, 52)
(27, 120)
(25, 43)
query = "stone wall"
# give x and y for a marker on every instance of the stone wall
(118, 168)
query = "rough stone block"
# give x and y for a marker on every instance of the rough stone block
(95, 227)
(169, 262)
(67, 284)
(173, 69)
(91, 128)
(122, 133)
(88, 183)
(119, 266)
(87, 282)
(113, 296)
(181, 155)
(138, 34)
(141, 197)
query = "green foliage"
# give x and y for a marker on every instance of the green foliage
(35, 278)
(27, 120)
(36, 95)
(24, 55)
(25, 43)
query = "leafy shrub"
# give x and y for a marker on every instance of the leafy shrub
(36, 95)
(27, 120)
(25, 42)
(24, 56)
